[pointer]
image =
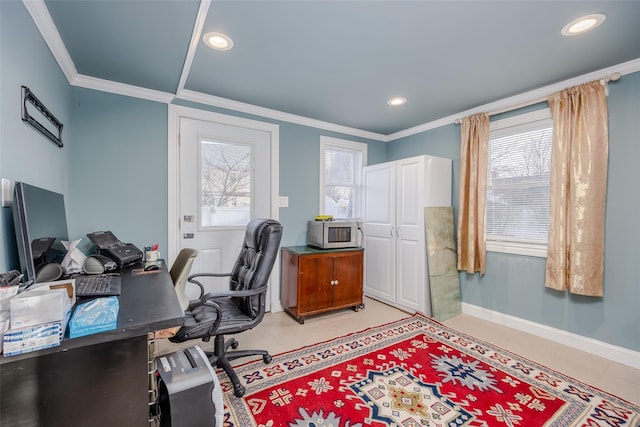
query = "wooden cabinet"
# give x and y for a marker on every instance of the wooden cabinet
(316, 281)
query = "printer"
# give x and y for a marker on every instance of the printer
(124, 254)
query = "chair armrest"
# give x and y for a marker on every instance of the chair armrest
(215, 325)
(191, 279)
(209, 275)
(245, 293)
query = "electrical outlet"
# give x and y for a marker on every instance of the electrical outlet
(6, 193)
(284, 201)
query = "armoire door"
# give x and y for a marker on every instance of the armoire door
(411, 262)
(379, 184)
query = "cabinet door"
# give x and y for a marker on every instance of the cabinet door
(411, 260)
(379, 186)
(314, 287)
(347, 278)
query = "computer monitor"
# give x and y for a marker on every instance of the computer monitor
(40, 221)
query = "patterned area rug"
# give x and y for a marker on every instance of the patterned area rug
(415, 372)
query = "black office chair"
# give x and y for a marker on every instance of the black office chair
(242, 307)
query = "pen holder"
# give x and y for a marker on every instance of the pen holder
(152, 256)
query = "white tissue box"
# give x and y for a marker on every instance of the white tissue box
(6, 293)
(68, 285)
(46, 303)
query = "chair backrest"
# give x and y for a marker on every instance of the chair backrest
(180, 272)
(255, 262)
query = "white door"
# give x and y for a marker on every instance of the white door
(379, 223)
(411, 261)
(224, 182)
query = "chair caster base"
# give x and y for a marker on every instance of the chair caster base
(267, 359)
(239, 391)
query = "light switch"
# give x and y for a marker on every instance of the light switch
(284, 201)
(6, 193)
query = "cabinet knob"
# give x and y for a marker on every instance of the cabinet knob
(336, 282)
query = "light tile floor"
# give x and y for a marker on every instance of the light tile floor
(279, 333)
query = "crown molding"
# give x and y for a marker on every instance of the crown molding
(523, 99)
(122, 89)
(42, 18)
(216, 101)
(421, 128)
(195, 39)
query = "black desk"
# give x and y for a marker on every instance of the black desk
(96, 380)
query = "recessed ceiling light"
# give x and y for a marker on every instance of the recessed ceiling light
(218, 41)
(583, 24)
(398, 100)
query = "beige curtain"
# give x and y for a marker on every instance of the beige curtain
(474, 138)
(575, 258)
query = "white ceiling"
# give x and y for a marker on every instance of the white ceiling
(335, 62)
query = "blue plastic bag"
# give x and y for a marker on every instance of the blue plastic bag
(97, 315)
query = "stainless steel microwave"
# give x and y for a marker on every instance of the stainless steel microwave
(335, 234)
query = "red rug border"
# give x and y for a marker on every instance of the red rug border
(338, 337)
(429, 319)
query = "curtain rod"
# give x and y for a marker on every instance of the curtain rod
(613, 77)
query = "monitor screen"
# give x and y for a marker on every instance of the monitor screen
(41, 225)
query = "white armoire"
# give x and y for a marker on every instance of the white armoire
(395, 195)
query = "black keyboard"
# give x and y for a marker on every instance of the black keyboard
(102, 285)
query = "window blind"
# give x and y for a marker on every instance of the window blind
(519, 164)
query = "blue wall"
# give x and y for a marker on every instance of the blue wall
(25, 154)
(514, 284)
(119, 168)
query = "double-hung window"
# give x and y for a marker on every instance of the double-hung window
(341, 163)
(518, 169)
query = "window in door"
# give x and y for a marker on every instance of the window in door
(519, 165)
(226, 184)
(341, 163)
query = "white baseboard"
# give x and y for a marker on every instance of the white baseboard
(608, 351)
